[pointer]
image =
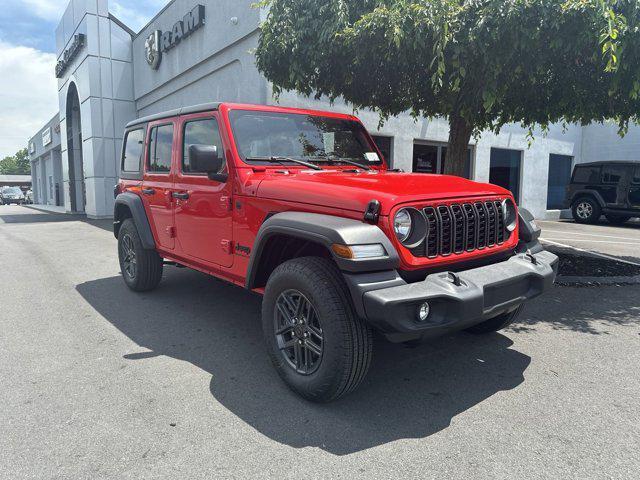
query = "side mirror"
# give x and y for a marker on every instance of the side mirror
(204, 158)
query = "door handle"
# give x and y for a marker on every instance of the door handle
(148, 191)
(180, 195)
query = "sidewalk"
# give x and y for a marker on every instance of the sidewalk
(50, 209)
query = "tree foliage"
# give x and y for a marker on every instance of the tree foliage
(480, 63)
(17, 164)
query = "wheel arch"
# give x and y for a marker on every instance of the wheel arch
(587, 193)
(129, 205)
(289, 235)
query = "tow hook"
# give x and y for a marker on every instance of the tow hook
(529, 256)
(455, 278)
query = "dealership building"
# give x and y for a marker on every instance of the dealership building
(197, 51)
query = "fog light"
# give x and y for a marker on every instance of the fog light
(423, 311)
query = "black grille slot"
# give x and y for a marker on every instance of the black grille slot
(446, 229)
(500, 231)
(459, 229)
(456, 228)
(472, 226)
(432, 243)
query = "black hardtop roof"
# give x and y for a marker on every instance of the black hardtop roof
(608, 162)
(203, 107)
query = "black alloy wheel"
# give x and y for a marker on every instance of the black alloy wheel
(298, 332)
(128, 255)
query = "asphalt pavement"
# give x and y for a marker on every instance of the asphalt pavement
(99, 382)
(621, 242)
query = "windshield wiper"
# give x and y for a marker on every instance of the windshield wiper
(281, 160)
(330, 159)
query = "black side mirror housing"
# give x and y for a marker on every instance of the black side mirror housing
(204, 158)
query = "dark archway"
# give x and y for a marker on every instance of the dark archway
(77, 191)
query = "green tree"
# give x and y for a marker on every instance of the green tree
(17, 164)
(480, 63)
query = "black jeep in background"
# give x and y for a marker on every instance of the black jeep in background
(609, 188)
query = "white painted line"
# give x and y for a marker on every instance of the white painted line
(594, 241)
(591, 235)
(608, 257)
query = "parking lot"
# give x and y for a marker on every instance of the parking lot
(621, 242)
(99, 382)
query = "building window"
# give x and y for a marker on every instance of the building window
(431, 158)
(50, 187)
(385, 145)
(132, 152)
(160, 148)
(200, 132)
(505, 170)
(559, 178)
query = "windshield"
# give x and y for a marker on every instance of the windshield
(304, 137)
(11, 191)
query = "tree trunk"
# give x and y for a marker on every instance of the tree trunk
(459, 136)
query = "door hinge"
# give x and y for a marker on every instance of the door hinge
(227, 246)
(171, 232)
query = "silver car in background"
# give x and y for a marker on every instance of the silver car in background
(9, 195)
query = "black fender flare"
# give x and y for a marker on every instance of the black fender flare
(587, 193)
(325, 230)
(134, 203)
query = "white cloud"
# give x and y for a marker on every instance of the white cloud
(47, 9)
(28, 94)
(137, 14)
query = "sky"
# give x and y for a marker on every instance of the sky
(28, 87)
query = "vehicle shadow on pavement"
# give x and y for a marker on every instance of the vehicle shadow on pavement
(409, 392)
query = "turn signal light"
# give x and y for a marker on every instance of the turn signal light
(359, 252)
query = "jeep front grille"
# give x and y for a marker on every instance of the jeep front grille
(462, 227)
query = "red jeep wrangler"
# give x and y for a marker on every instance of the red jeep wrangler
(299, 206)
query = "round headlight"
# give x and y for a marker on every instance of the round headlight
(402, 224)
(509, 214)
(410, 226)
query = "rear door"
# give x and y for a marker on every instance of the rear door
(613, 177)
(203, 208)
(157, 183)
(634, 190)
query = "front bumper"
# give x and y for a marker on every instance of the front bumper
(456, 301)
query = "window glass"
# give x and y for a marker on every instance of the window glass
(636, 176)
(385, 146)
(200, 132)
(586, 175)
(306, 137)
(505, 170)
(612, 174)
(160, 149)
(559, 178)
(133, 144)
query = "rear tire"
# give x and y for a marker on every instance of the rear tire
(318, 345)
(586, 210)
(617, 219)
(496, 323)
(141, 268)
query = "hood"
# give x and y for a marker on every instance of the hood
(353, 191)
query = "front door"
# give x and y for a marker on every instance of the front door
(157, 184)
(203, 208)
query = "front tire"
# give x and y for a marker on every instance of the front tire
(586, 210)
(141, 268)
(318, 345)
(496, 323)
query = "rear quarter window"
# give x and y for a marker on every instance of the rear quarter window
(132, 151)
(586, 175)
(613, 174)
